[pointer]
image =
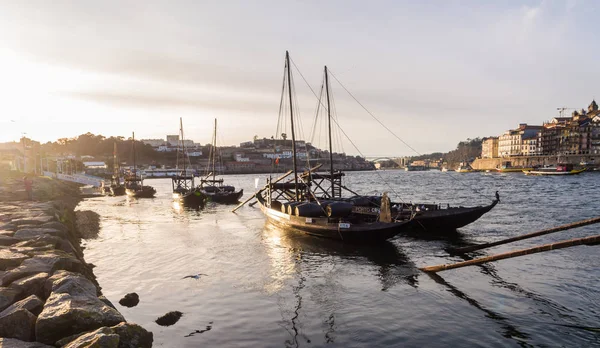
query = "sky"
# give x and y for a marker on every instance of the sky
(434, 72)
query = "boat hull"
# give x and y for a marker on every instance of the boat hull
(223, 197)
(449, 219)
(117, 190)
(331, 229)
(539, 172)
(145, 192)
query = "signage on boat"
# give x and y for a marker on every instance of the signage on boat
(365, 210)
(344, 225)
(310, 220)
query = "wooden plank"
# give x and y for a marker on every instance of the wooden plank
(538, 249)
(525, 236)
(262, 189)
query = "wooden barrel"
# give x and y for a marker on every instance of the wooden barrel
(339, 209)
(291, 206)
(308, 210)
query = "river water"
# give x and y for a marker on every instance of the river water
(266, 287)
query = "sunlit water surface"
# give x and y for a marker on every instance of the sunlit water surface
(266, 287)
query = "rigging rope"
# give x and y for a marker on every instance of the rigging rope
(397, 137)
(346, 135)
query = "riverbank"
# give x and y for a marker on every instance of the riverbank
(48, 293)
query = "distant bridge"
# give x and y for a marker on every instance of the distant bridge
(401, 160)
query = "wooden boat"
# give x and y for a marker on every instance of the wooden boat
(559, 169)
(214, 189)
(117, 188)
(436, 218)
(184, 189)
(134, 183)
(312, 202)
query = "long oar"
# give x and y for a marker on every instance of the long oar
(525, 236)
(538, 249)
(262, 189)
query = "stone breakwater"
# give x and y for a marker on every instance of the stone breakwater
(48, 294)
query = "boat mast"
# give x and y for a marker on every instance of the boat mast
(329, 122)
(214, 150)
(133, 147)
(182, 147)
(116, 171)
(289, 78)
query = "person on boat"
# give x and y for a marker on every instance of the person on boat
(28, 183)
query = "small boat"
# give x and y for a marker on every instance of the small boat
(464, 167)
(413, 168)
(184, 189)
(134, 183)
(312, 202)
(117, 188)
(559, 169)
(445, 169)
(214, 189)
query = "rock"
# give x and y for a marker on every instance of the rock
(169, 318)
(67, 247)
(30, 233)
(8, 227)
(55, 225)
(130, 300)
(73, 307)
(7, 297)
(102, 338)
(106, 301)
(133, 336)
(87, 224)
(32, 303)
(18, 323)
(14, 343)
(32, 285)
(46, 263)
(33, 220)
(41, 240)
(8, 240)
(8, 233)
(9, 259)
(69, 282)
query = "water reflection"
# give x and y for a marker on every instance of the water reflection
(313, 266)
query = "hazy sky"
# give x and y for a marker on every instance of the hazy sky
(436, 72)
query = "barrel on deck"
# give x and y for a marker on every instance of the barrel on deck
(308, 210)
(291, 206)
(339, 209)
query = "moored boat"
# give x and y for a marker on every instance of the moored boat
(212, 188)
(184, 189)
(134, 183)
(559, 169)
(312, 202)
(117, 188)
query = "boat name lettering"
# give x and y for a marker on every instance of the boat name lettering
(344, 225)
(365, 210)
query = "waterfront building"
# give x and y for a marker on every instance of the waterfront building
(511, 142)
(489, 148)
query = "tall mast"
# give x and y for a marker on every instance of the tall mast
(182, 146)
(289, 78)
(115, 163)
(133, 147)
(214, 150)
(329, 120)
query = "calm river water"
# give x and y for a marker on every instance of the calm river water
(271, 288)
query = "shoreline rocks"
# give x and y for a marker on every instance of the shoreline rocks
(48, 293)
